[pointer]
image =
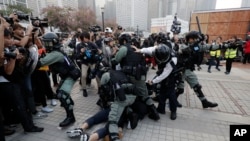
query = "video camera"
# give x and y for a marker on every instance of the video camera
(40, 23)
(22, 16)
(95, 28)
(176, 26)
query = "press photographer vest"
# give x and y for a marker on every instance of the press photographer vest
(230, 53)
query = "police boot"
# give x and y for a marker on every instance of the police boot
(153, 114)
(178, 92)
(68, 120)
(133, 119)
(207, 104)
(204, 101)
(156, 98)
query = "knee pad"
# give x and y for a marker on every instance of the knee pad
(197, 87)
(62, 95)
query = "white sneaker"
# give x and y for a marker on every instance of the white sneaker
(53, 102)
(47, 109)
(84, 137)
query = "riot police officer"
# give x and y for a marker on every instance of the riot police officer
(121, 90)
(166, 61)
(134, 66)
(59, 63)
(187, 57)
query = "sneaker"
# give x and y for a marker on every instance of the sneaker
(84, 137)
(47, 109)
(53, 102)
(75, 132)
(39, 115)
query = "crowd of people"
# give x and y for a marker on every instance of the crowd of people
(118, 61)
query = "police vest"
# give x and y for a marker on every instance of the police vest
(133, 64)
(120, 84)
(66, 68)
(230, 53)
(174, 77)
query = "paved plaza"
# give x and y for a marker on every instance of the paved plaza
(193, 123)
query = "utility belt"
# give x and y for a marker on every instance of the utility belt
(136, 71)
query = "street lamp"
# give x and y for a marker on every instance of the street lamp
(102, 9)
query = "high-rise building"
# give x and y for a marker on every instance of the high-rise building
(156, 9)
(245, 3)
(110, 10)
(38, 5)
(4, 3)
(87, 3)
(132, 13)
(184, 8)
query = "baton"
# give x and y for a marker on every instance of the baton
(198, 23)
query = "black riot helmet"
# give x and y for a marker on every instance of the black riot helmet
(124, 37)
(195, 35)
(136, 42)
(162, 53)
(51, 41)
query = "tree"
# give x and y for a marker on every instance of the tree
(58, 17)
(67, 19)
(83, 18)
(11, 8)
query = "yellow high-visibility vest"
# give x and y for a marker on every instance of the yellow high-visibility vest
(218, 52)
(230, 53)
(212, 53)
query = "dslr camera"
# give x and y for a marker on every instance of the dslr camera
(9, 53)
(9, 20)
(36, 22)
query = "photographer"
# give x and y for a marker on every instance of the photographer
(215, 55)
(1, 64)
(86, 52)
(26, 41)
(231, 52)
(11, 91)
